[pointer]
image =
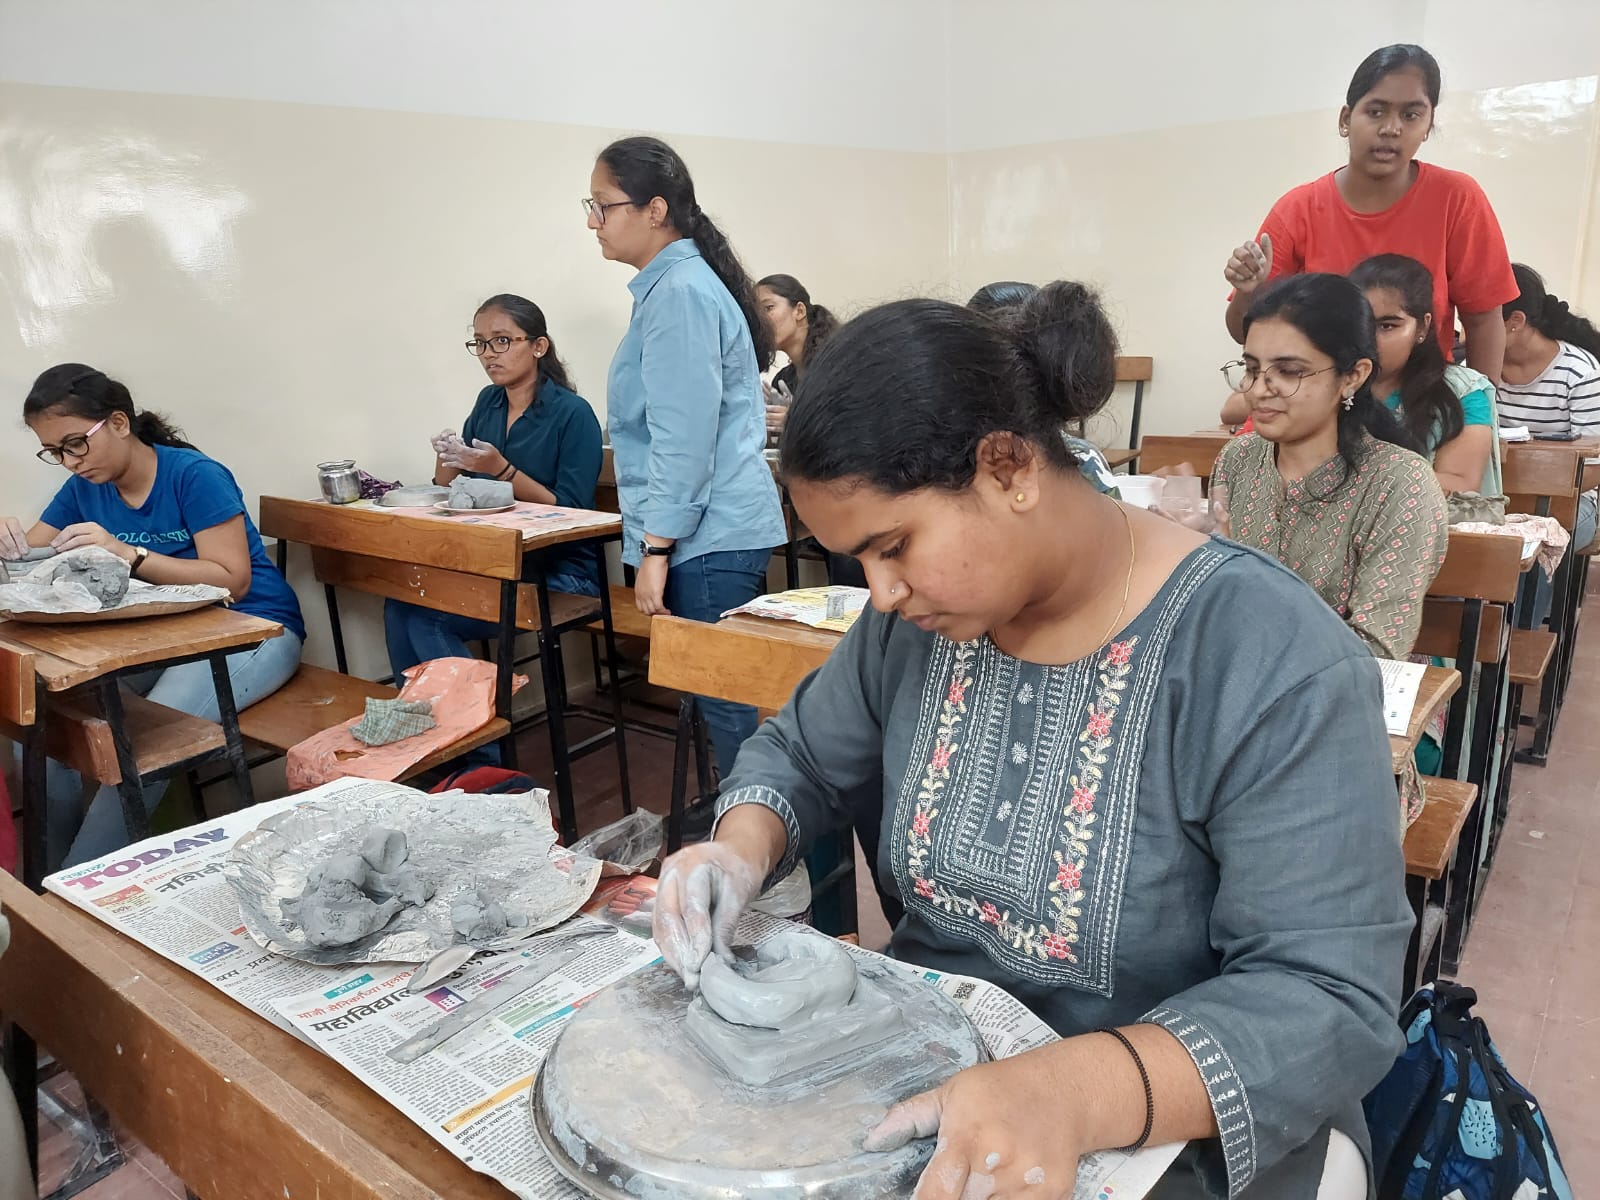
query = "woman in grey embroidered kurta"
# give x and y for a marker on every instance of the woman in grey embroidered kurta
(1186, 827)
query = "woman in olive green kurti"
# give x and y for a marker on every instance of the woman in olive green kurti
(1326, 484)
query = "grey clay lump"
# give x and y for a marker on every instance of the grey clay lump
(479, 493)
(350, 896)
(105, 578)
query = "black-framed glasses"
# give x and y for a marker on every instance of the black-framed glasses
(593, 208)
(75, 446)
(478, 347)
(1282, 382)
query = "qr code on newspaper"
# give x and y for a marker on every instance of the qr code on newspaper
(963, 990)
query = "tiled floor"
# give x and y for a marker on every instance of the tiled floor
(1531, 955)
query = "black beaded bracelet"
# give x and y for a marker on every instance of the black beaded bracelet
(1149, 1095)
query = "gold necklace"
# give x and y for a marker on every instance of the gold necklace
(1127, 584)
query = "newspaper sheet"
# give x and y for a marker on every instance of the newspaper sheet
(833, 608)
(471, 1095)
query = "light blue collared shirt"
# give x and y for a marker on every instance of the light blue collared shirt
(686, 417)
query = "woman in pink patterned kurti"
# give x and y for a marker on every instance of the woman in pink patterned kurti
(1358, 517)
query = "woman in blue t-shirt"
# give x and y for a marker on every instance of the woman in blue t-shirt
(176, 517)
(528, 428)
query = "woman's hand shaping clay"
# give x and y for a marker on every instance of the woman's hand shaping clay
(703, 890)
(1003, 1131)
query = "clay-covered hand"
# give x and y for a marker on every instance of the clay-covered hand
(703, 890)
(480, 458)
(445, 441)
(1250, 265)
(13, 539)
(1005, 1129)
(87, 533)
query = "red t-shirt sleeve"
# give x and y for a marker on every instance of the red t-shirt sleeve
(1476, 260)
(1285, 225)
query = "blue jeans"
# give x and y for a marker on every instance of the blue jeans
(702, 589)
(1543, 586)
(417, 635)
(256, 674)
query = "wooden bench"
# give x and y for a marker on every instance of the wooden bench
(1431, 845)
(1531, 652)
(626, 618)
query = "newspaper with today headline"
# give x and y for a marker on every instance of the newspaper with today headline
(169, 893)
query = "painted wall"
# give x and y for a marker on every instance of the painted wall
(274, 221)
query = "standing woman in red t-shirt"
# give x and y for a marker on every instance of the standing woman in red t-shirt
(1384, 202)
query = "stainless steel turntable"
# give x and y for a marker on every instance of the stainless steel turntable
(629, 1108)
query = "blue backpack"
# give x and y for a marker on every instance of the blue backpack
(1449, 1122)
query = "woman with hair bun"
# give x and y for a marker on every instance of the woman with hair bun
(139, 490)
(1095, 781)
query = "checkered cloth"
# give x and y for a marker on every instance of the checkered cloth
(393, 720)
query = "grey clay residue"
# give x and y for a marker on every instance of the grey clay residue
(103, 577)
(350, 896)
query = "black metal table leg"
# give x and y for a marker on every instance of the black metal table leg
(334, 627)
(555, 714)
(228, 712)
(618, 728)
(505, 664)
(131, 790)
(682, 747)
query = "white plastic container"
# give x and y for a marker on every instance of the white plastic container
(789, 898)
(1142, 491)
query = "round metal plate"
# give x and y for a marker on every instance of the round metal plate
(628, 1107)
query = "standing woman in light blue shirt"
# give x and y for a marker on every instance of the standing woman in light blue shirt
(684, 408)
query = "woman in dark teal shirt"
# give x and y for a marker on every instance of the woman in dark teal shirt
(528, 427)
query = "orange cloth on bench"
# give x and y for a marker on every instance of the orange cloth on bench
(461, 691)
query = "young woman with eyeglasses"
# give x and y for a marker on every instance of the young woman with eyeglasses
(139, 490)
(529, 428)
(1382, 201)
(1329, 483)
(684, 407)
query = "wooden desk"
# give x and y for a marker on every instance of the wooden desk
(1437, 686)
(1119, 456)
(472, 567)
(751, 660)
(233, 1104)
(98, 655)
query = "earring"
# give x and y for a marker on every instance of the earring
(1021, 497)
(1349, 401)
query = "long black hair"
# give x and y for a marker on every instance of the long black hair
(646, 167)
(1428, 407)
(1382, 63)
(820, 323)
(1335, 317)
(529, 317)
(81, 391)
(1549, 313)
(901, 396)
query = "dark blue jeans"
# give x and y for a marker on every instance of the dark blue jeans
(1543, 588)
(702, 589)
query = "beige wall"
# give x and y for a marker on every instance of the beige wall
(274, 221)
(293, 282)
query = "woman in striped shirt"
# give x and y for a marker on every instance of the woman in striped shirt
(1551, 384)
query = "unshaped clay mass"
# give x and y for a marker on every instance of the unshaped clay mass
(103, 577)
(351, 896)
(478, 916)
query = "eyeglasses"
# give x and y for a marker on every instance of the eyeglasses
(1282, 382)
(593, 208)
(75, 446)
(478, 347)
